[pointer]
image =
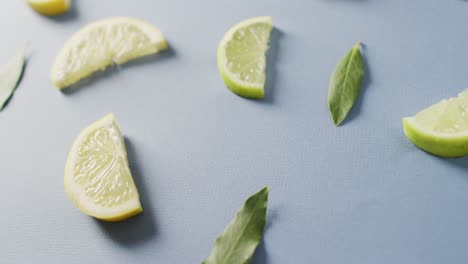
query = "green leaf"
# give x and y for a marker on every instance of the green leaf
(345, 84)
(241, 237)
(10, 76)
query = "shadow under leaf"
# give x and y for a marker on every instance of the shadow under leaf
(348, 1)
(260, 256)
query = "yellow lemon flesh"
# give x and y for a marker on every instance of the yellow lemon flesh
(97, 174)
(102, 44)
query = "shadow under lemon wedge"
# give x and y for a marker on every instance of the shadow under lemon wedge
(97, 174)
(50, 7)
(104, 43)
(441, 129)
(242, 56)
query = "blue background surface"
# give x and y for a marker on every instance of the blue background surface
(360, 193)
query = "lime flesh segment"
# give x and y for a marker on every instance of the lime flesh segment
(441, 129)
(102, 44)
(242, 56)
(97, 174)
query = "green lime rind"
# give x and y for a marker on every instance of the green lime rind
(253, 92)
(253, 45)
(439, 144)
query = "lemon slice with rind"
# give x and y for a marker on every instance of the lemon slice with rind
(102, 44)
(97, 174)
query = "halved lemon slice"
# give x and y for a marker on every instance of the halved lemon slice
(441, 129)
(50, 7)
(102, 44)
(97, 174)
(242, 56)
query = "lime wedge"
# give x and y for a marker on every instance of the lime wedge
(441, 129)
(242, 56)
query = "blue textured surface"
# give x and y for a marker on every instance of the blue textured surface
(360, 193)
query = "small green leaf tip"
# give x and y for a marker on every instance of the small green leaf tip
(241, 237)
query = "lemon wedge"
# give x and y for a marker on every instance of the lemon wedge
(102, 44)
(97, 174)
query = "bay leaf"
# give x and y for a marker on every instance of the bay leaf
(10, 76)
(345, 84)
(241, 237)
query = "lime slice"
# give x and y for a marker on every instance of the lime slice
(242, 56)
(97, 174)
(102, 44)
(49, 7)
(441, 129)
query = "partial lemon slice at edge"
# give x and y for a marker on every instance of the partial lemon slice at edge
(50, 7)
